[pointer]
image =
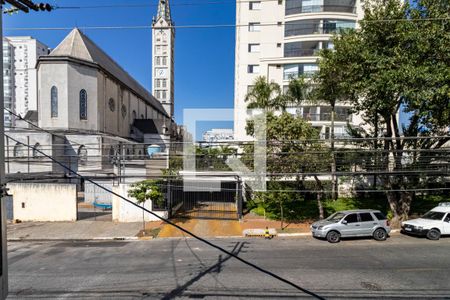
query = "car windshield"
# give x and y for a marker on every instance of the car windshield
(336, 217)
(433, 215)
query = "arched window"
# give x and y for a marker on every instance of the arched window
(112, 154)
(82, 155)
(19, 150)
(134, 115)
(83, 105)
(36, 149)
(54, 102)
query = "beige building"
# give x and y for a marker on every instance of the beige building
(280, 40)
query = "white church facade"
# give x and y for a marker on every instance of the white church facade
(94, 113)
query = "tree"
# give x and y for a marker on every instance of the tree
(264, 94)
(329, 89)
(397, 60)
(297, 92)
(293, 154)
(146, 190)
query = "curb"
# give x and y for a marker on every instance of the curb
(134, 238)
(294, 234)
(128, 238)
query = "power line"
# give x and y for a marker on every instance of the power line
(175, 225)
(202, 26)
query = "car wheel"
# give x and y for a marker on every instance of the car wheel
(333, 237)
(433, 234)
(380, 234)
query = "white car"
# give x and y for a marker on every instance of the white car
(433, 224)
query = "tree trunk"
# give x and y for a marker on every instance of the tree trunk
(282, 215)
(319, 197)
(400, 204)
(334, 185)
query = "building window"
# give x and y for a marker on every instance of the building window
(124, 111)
(317, 26)
(112, 154)
(54, 102)
(164, 83)
(158, 60)
(254, 5)
(134, 115)
(163, 95)
(253, 48)
(19, 150)
(112, 104)
(82, 155)
(157, 83)
(312, 6)
(83, 105)
(296, 70)
(253, 69)
(164, 60)
(298, 49)
(254, 27)
(250, 88)
(142, 116)
(37, 149)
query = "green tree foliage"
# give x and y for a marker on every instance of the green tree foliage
(398, 59)
(147, 190)
(292, 149)
(265, 95)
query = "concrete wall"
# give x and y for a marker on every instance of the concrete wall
(44, 202)
(125, 212)
(53, 75)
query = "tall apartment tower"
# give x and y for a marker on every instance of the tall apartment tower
(20, 74)
(280, 39)
(8, 83)
(163, 43)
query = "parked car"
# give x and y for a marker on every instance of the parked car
(433, 224)
(352, 223)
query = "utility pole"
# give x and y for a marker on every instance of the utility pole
(3, 258)
(24, 6)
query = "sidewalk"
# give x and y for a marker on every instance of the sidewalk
(232, 228)
(80, 230)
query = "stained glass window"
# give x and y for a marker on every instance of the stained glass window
(83, 105)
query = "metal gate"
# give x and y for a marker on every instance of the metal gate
(188, 199)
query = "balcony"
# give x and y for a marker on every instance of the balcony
(317, 26)
(295, 75)
(326, 117)
(319, 8)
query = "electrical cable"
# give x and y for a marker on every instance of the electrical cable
(196, 26)
(269, 273)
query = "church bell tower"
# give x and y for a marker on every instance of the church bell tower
(163, 42)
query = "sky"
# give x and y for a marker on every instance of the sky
(204, 58)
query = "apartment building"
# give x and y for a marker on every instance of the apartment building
(8, 82)
(280, 39)
(21, 54)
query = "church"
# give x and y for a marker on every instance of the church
(95, 116)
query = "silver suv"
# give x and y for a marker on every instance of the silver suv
(352, 223)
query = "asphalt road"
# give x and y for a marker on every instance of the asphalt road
(401, 267)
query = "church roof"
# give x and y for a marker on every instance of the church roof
(164, 10)
(79, 46)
